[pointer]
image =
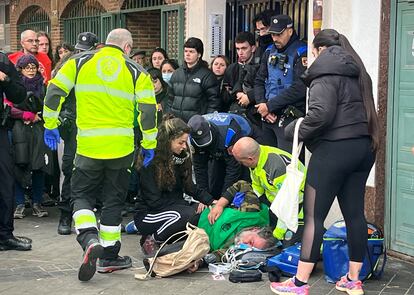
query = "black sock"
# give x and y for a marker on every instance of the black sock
(299, 283)
(347, 277)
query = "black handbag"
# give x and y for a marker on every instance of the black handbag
(245, 276)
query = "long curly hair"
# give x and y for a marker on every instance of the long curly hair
(170, 129)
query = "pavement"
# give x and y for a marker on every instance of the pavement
(51, 268)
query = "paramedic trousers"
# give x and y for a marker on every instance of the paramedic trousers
(337, 169)
(88, 176)
(68, 157)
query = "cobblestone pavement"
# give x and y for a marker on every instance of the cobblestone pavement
(51, 268)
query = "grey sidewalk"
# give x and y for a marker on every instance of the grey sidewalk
(51, 268)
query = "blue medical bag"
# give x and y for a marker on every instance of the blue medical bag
(287, 261)
(335, 253)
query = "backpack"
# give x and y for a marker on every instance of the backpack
(335, 253)
(231, 222)
(180, 256)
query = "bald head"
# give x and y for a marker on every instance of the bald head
(121, 38)
(29, 42)
(246, 150)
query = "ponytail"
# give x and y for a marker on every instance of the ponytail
(365, 84)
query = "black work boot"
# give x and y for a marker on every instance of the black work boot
(65, 224)
(93, 251)
(107, 265)
(16, 243)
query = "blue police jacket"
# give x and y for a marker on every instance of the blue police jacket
(280, 67)
(230, 127)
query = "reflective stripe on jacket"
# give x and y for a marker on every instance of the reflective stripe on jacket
(106, 97)
(269, 174)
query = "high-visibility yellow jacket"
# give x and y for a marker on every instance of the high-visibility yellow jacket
(268, 176)
(108, 87)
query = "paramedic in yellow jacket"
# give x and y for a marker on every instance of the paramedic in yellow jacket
(268, 171)
(108, 87)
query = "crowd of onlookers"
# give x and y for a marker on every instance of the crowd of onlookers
(218, 124)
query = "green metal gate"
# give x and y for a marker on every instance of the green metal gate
(34, 18)
(172, 31)
(83, 16)
(400, 132)
(172, 23)
(110, 21)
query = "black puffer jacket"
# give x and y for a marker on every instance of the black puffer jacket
(195, 92)
(152, 198)
(336, 107)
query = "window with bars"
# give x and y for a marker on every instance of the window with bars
(34, 18)
(172, 31)
(5, 27)
(82, 16)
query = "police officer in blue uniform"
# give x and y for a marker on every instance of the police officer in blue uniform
(213, 136)
(280, 93)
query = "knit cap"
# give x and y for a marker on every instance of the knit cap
(26, 59)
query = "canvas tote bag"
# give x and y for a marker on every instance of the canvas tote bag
(286, 203)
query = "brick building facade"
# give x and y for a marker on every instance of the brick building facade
(64, 19)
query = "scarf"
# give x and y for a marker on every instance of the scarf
(180, 159)
(34, 85)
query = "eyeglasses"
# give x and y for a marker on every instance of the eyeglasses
(35, 41)
(30, 68)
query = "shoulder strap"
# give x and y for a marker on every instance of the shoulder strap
(184, 234)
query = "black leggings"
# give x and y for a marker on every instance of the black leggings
(337, 168)
(165, 223)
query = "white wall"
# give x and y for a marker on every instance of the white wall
(360, 22)
(197, 21)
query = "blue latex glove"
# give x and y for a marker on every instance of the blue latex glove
(148, 156)
(52, 138)
(238, 199)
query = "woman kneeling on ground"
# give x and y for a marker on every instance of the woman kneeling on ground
(161, 208)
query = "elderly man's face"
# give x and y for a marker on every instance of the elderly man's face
(30, 43)
(252, 239)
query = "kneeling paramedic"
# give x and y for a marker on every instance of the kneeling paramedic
(268, 171)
